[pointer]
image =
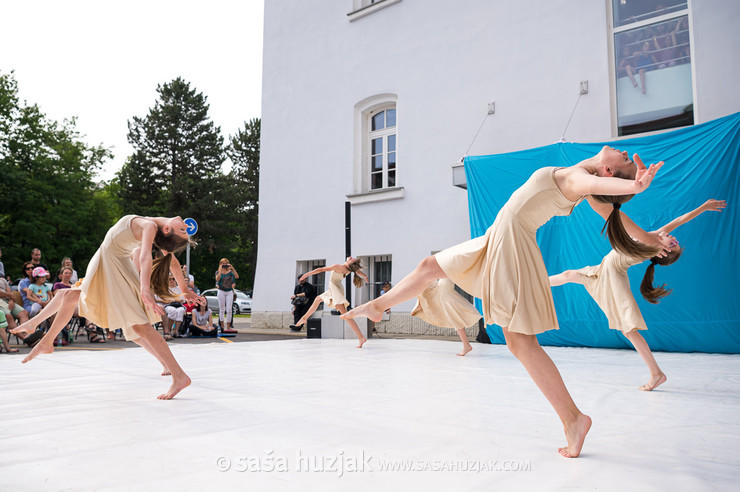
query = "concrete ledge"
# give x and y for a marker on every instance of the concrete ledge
(397, 323)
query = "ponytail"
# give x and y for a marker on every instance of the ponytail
(357, 280)
(653, 294)
(354, 267)
(617, 234)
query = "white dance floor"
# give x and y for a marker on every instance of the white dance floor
(398, 415)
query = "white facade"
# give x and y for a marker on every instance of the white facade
(441, 63)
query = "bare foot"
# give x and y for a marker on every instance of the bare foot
(362, 342)
(27, 327)
(365, 310)
(10, 350)
(654, 382)
(466, 348)
(165, 372)
(576, 434)
(178, 384)
(43, 347)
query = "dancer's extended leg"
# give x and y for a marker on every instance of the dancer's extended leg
(546, 376)
(141, 341)
(64, 309)
(466, 343)
(311, 310)
(62, 297)
(353, 325)
(409, 287)
(656, 375)
(180, 380)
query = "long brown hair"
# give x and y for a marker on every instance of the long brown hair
(172, 243)
(353, 267)
(615, 231)
(653, 294)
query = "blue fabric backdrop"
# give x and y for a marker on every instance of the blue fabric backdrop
(701, 162)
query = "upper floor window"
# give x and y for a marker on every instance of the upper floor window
(652, 56)
(361, 8)
(382, 148)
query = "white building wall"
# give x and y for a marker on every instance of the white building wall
(444, 61)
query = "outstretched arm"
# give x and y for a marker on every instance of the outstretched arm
(710, 205)
(362, 274)
(580, 183)
(319, 270)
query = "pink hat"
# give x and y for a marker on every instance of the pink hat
(39, 272)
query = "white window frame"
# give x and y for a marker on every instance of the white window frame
(364, 110)
(613, 62)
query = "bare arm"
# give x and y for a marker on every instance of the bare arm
(362, 274)
(233, 270)
(579, 182)
(710, 205)
(148, 230)
(319, 270)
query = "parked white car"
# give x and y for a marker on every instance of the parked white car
(242, 302)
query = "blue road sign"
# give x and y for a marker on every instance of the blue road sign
(192, 226)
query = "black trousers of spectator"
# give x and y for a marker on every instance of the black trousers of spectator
(197, 332)
(300, 310)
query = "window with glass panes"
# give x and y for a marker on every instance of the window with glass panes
(318, 280)
(379, 272)
(382, 148)
(652, 58)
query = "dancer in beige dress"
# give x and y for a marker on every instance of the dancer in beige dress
(609, 285)
(334, 297)
(118, 290)
(504, 267)
(441, 305)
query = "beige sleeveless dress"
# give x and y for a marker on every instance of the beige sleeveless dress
(504, 267)
(111, 294)
(334, 294)
(609, 286)
(441, 305)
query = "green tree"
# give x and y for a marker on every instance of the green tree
(49, 199)
(176, 169)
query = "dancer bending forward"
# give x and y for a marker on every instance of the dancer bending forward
(116, 294)
(334, 295)
(609, 285)
(504, 267)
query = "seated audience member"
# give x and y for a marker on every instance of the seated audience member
(36, 259)
(2, 267)
(9, 309)
(175, 310)
(65, 282)
(67, 263)
(27, 280)
(201, 324)
(38, 292)
(4, 337)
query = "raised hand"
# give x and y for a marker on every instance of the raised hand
(714, 205)
(645, 175)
